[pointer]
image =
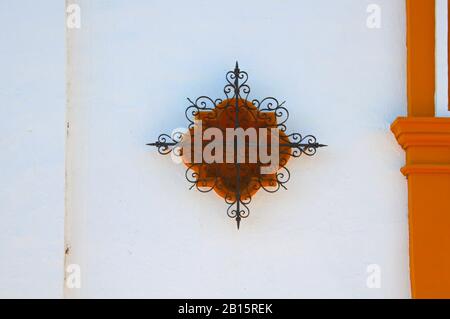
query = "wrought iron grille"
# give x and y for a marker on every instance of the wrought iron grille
(237, 182)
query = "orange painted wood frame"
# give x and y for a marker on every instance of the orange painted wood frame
(426, 140)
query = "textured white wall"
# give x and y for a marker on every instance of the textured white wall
(140, 232)
(32, 132)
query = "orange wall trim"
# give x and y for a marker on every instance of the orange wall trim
(420, 40)
(427, 145)
(426, 140)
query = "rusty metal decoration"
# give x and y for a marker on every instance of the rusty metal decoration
(237, 181)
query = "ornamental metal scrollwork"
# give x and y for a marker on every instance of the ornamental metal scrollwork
(237, 181)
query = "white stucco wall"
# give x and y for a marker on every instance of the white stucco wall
(32, 133)
(137, 230)
(442, 59)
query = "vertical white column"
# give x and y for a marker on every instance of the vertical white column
(75, 126)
